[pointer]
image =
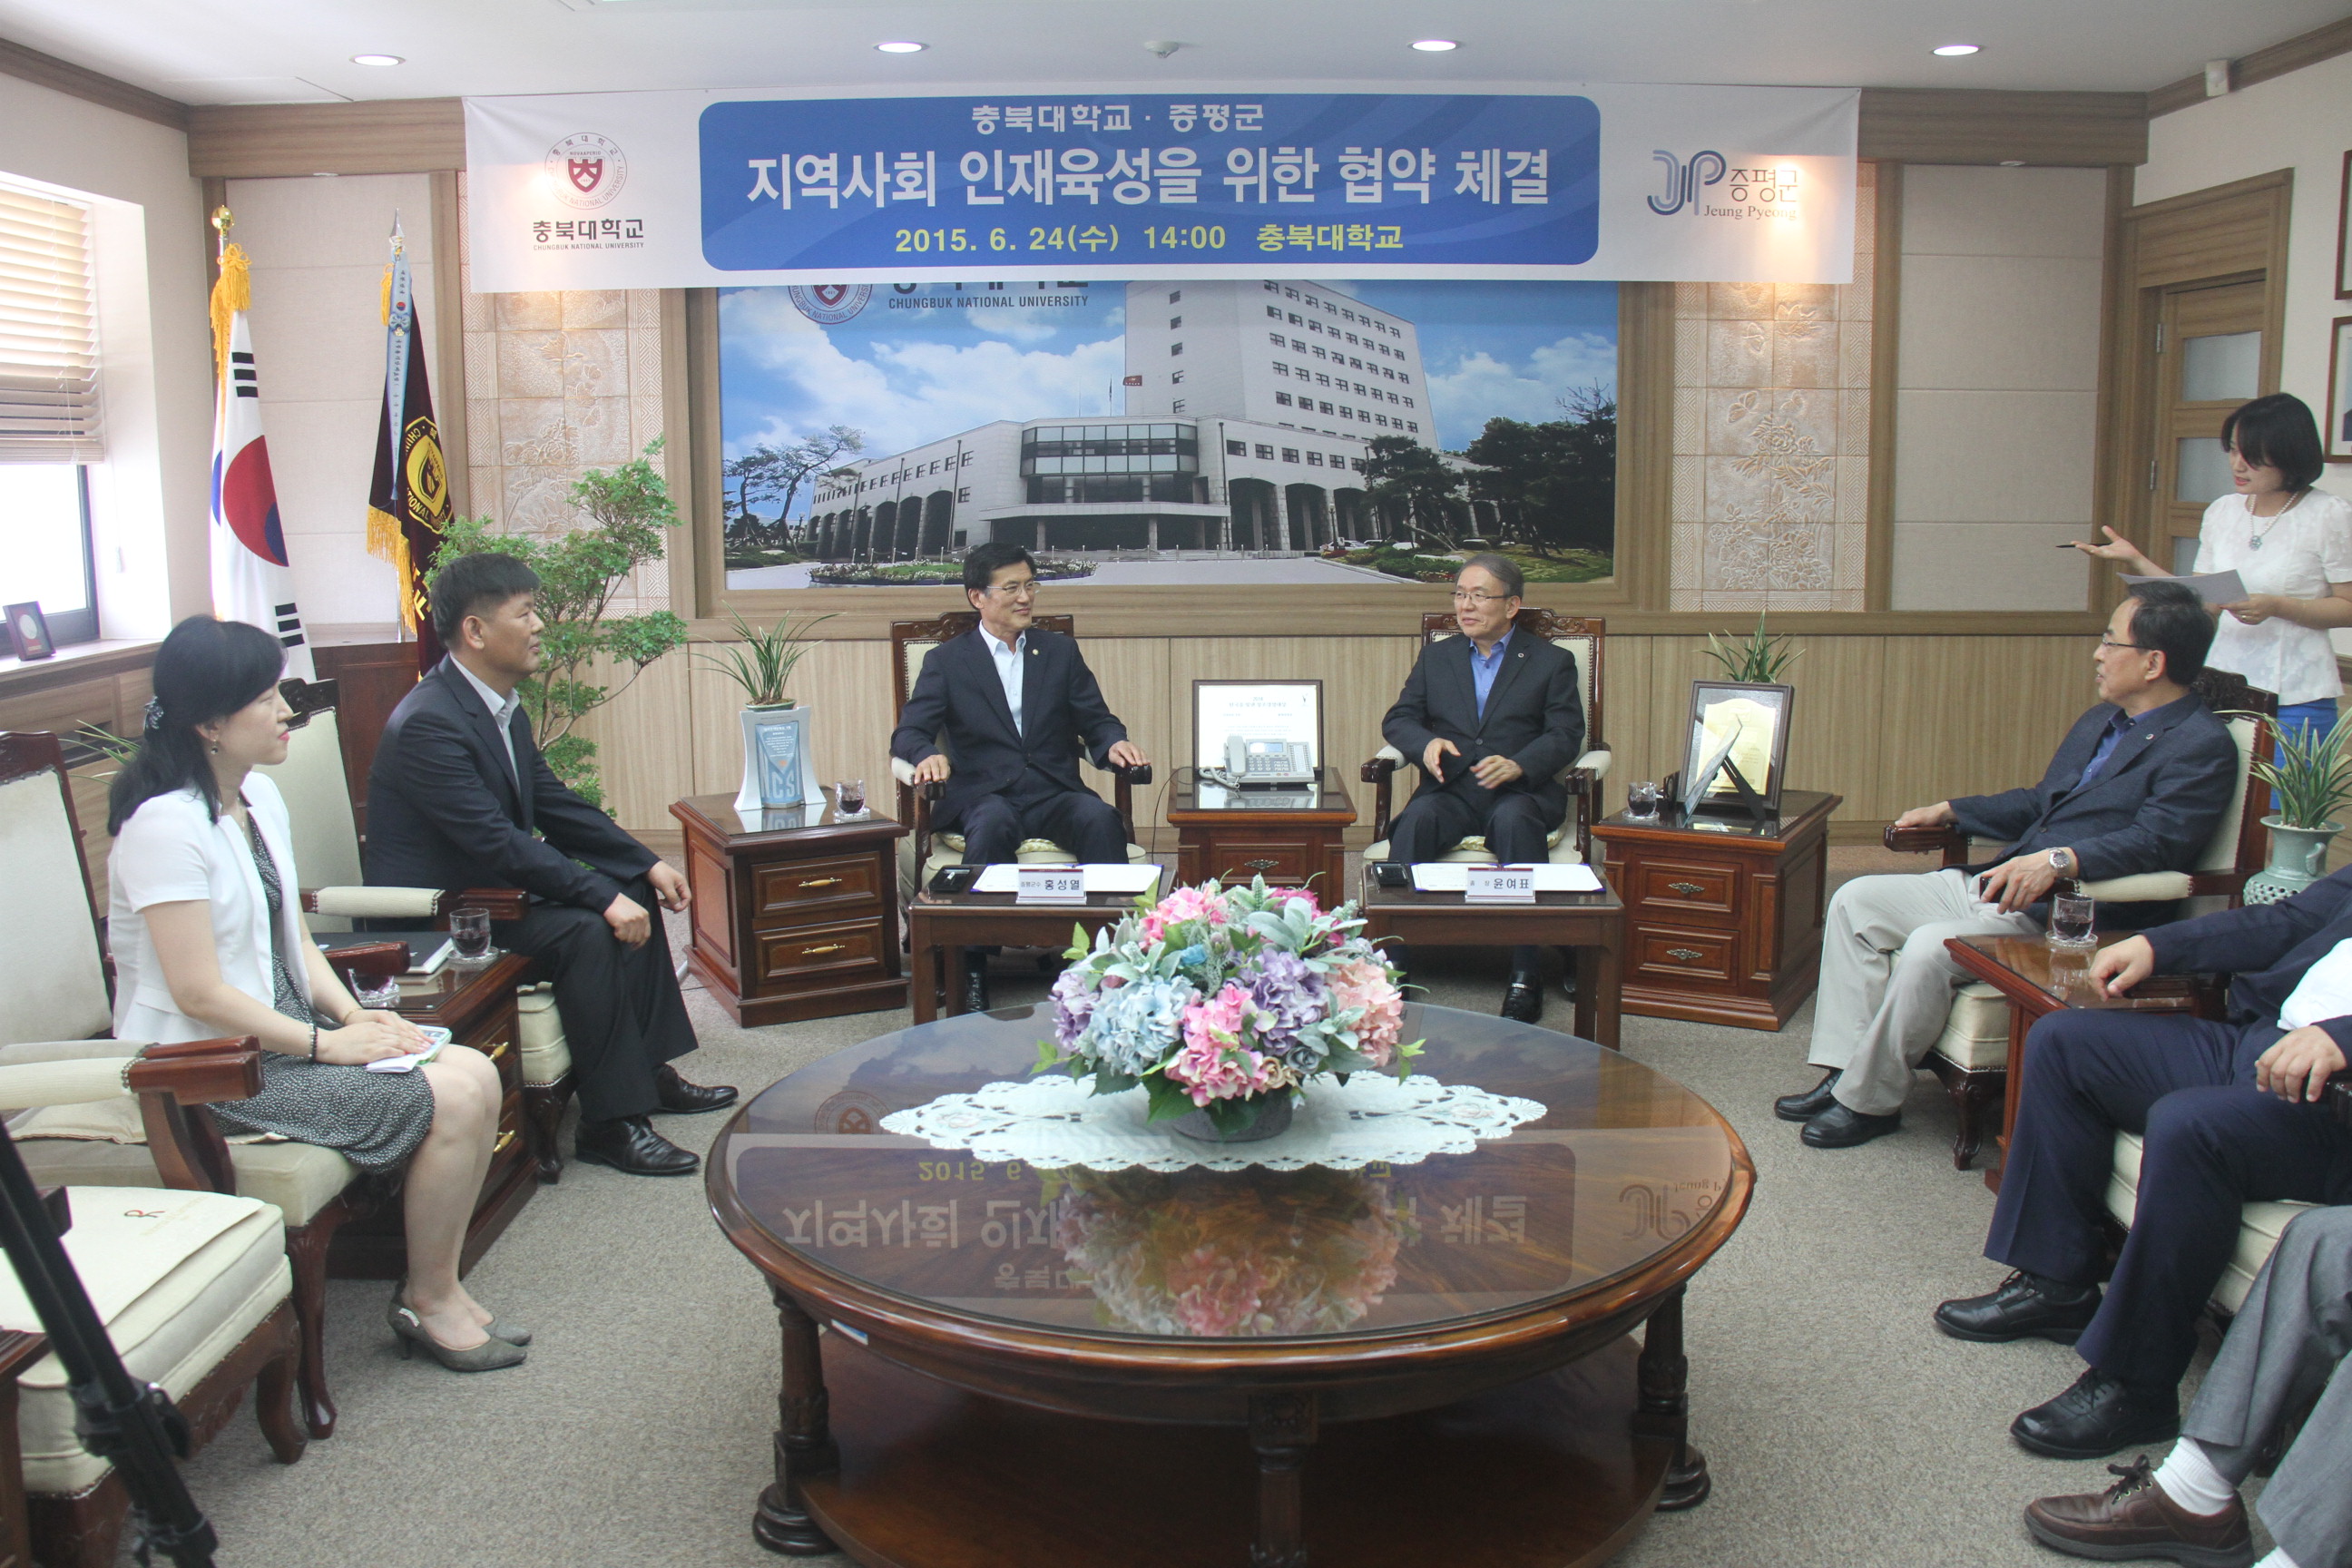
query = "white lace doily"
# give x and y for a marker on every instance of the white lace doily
(1057, 1121)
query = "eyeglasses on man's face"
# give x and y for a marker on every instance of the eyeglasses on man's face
(1024, 589)
(2110, 642)
(1471, 597)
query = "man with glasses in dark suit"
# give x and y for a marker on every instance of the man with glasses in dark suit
(1490, 718)
(1014, 703)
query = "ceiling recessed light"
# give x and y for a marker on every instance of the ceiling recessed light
(1435, 45)
(902, 47)
(376, 60)
(1948, 49)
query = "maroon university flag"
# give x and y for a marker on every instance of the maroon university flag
(408, 499)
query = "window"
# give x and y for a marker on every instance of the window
(1280, 368)
(1175, 378)
(1324, 407)
(1283, 398)
(1409, 403)
(1238, 448)
(1298, 345)
(1290, 454)
(1278, 338)
(1338, 459)
(1273, 287)
(1314, 326)
(1322, 380)
(1294, 318)
(1175, 295)
(964, 497)
(48, 405)
(1314, 459)
(1274, 311)
(1177, 406)
(1265, 451)
(1319, 354)
(47, 509)
(1415, 428)
(1175, 322)
(1175, 348)
(1290, 294)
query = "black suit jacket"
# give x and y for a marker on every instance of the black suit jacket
(2267, 947)
(443, 811)
(2151, 808)
(1535, 716)
(959, 701)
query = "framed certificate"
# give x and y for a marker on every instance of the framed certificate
(1736, 724)
(1285, 711)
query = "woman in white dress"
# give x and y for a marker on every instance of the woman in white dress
(2291, 546)
(205, 923)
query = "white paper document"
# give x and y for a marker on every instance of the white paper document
(1451, 877)
(2213, 587)
(1100, 879)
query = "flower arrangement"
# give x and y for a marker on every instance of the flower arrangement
(1219, 998)
(1226, 1259)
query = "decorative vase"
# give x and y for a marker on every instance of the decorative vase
(777, 768)
(2298, 858)
(1273, 1118)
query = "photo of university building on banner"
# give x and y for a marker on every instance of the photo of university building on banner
(1187, 431)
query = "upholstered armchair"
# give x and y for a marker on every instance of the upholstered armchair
(923, 851)
(1586, 637)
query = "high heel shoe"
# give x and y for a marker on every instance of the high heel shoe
(513, 1333)
(488, 1356)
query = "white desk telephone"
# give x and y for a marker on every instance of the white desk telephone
(1268, 764)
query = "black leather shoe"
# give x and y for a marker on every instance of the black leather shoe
(679, 1098)
(1812, 1102)
(975, 988)
(1842, 1126)
(1523, 998)
(2095, 1417)
(630, 1144)
(2017, 1309)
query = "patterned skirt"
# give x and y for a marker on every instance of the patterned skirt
(373, 1119)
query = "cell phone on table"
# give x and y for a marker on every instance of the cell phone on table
(954, 879)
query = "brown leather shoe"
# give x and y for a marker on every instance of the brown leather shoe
(2134, 1518)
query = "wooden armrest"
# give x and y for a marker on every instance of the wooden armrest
(1950, 841)
(2338, 1098)
(380, 961)
(1133, 776)
(933, 790)
(199, 1072)
(1377, 771)
(504, 904)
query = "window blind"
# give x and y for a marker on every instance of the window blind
(49, 331)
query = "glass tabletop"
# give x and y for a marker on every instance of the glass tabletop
(1624, 1163)
(1188, 790)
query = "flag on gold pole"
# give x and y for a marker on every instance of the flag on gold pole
(408, 498)
(251, 579)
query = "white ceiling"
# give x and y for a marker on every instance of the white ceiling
(255, 51)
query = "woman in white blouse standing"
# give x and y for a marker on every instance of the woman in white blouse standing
(205, 923)
(2291, 546)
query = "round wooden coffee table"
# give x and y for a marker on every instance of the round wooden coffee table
(1208, 1369)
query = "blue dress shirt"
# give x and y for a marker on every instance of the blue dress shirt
(1483, 667)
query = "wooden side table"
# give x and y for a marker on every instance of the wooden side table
(1289, 837)
(796, 912)
(1723, 916)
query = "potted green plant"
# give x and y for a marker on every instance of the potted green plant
(2310, 780)
(777, 769)
(1756, 659)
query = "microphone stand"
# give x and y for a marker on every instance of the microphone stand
(133, 1427)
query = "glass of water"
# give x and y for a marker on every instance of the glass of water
(2071, 920)
(1642, 801)
(469, 930)
(849, 798)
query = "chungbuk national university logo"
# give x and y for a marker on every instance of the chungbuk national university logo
(830, 304)
(428, 475)
(1758, 185)
(586, 169)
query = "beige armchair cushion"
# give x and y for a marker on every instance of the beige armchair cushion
(538, 1028)
(1976, 1033)
(378, 903)
(57, 978)
(180, 1279)
(298, 1179)
(1473, 850)
(2149, 887)
(2259, 1224)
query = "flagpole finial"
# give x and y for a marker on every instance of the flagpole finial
(221, 221)
(399, 235)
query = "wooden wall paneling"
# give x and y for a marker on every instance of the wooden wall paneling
(1637, 674)
(376, 136)
(1133, 673)
(2322, 43)
(2222, 232)
(847, 684)
(1937, 125)
(1645, 434)
(1975, 715)
(1840, 715)
(688, 439)
(1361, 676)
(640, 742)
(2121, 410)
(448, 328)
(1886, 323)
(691, 378)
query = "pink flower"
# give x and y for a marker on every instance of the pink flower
(1303, 896)
(1365, 984)
(1183, 904)
(1216, 1294)
(1214, 1063)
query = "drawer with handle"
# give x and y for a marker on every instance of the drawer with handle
(796, 891)
(1683, 956)
(822, 956)
(1695, 887)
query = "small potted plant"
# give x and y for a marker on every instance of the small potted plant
(1756, 659)
(2310, 780)
(776, 764)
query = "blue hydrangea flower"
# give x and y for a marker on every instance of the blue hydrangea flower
(1135, 1025)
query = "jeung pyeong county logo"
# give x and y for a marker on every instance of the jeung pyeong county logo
(1764, 185)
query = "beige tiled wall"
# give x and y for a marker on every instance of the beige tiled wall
(1771, 475)
(318, 249)
(1998, 387)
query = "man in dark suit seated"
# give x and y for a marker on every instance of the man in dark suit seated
(2137, 785)
(2230, 1114)
(1490, 718)
(456, 794)
(2284, 1355)
(1014, 703)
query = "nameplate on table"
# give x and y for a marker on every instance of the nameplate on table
(1498, 884)
(1050, 884)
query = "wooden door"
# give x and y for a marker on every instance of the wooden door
(2209, 360)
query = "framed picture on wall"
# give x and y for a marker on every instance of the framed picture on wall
(1736, 724)
(2337, 432)
(28, 631)
(2344, 233)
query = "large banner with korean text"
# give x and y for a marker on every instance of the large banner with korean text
(653, 190)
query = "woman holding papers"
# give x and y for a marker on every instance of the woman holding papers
(208, 938)
(2292, 547)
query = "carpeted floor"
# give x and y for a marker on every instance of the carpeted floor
(1839, 1426)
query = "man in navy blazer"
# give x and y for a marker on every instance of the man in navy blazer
(1014, 703)
(1490, 718)
(2229, 1113)
(459, 798)
(2139, 784)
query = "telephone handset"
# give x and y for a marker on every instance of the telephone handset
(1268, 764)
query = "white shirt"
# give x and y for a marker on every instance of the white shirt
(2302, 550)
(1008, 668)
(2323, 991)
(502, 713)
(170, 853)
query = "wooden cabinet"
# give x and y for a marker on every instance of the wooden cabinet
(796, 912)
(1723, 917)
(1292, 839)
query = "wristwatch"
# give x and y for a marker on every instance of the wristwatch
(2062, 862)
